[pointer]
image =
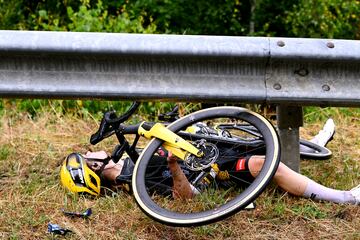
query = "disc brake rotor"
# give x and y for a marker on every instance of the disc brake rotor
(211, 154)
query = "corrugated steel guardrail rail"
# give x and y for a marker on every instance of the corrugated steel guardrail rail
(205, 68)
(283, 71)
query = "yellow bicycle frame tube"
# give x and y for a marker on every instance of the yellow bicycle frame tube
(172, 142)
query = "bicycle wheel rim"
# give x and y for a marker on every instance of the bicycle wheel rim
(317, 152)
(239, 202)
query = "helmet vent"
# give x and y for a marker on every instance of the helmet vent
(93, 180)
(77, 176)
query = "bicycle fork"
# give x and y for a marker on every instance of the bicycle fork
(172, 142)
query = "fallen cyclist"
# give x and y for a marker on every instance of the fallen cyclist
(83, 173)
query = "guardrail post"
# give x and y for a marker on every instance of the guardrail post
(289, 119)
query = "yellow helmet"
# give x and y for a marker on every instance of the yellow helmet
(76, 176)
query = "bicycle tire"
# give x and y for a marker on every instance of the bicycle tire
(316, 152)
(147, 200)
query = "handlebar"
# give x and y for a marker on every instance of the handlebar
(171, 116)
(110, 122)
(100, 134)
(111, 118)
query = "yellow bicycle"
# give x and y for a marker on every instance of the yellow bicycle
(203, 147)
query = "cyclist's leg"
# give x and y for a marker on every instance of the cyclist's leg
(286, 178)
(300, 185)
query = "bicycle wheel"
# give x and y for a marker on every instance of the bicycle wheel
(311, 150)
(225, 196)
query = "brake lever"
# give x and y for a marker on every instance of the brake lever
(110, 117)
(104, 130)
(113, 119)
(171, 116)
(110, 123)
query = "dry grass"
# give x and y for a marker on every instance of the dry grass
(31, 152)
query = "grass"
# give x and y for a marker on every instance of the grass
(32, 149)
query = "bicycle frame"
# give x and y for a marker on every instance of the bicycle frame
(111, 124)
(200, 149)
(172, 142)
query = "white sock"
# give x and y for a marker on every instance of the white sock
(317, 191)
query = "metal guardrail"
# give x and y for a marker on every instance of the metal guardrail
(283, 71)
(204, 68)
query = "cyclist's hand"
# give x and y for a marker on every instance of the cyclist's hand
(96, 155)
(163, 152)
(167, 154)
(171, 158)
